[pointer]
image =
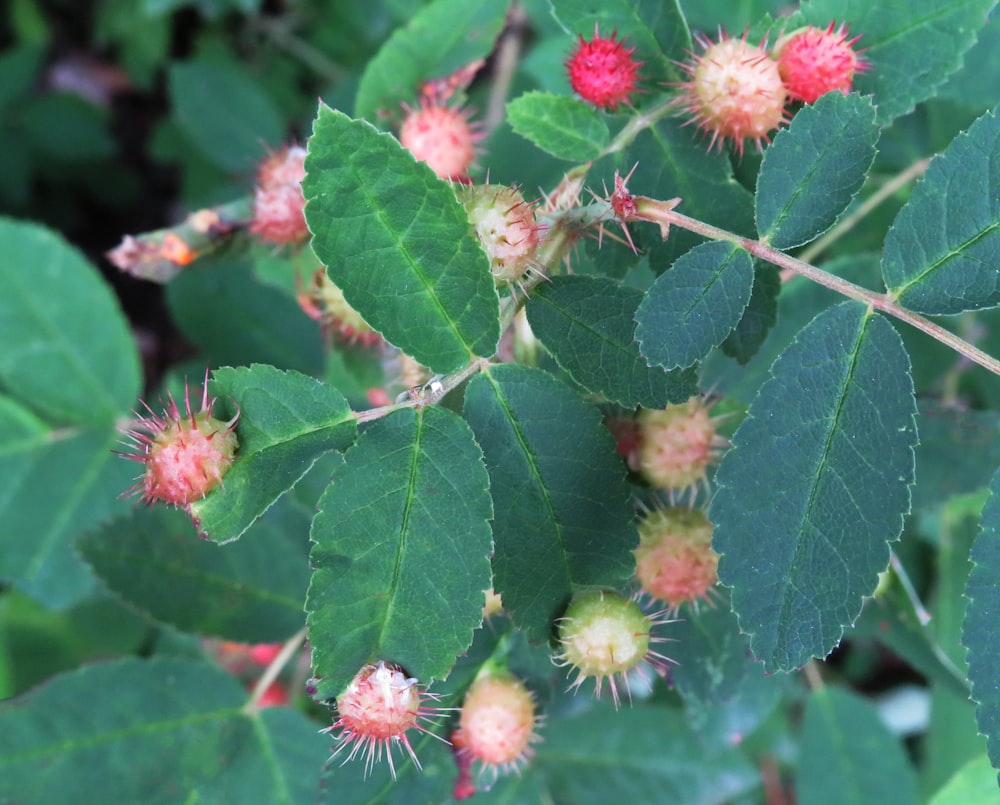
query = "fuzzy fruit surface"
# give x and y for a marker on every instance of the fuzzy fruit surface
(325, 302)
(675, 444)
(813, 61)
(603, 633)
(187, 459)
(497, 722)
(602, 71)
(734, 93)
(442, 137)
(380, 703)
(506, 227)
(278, 211)
(675, 561)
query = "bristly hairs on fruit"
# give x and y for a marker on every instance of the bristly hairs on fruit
(185, 455)
(813, 61)
(376, 710)
(442, 136)
(602, 71)
(734, 92)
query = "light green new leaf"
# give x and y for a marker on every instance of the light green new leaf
(586, 324)
(565, 127)
(942, 253)
(287, 421)
(910, 46)
(439, 39)
(563, 519)
(814, 168)
(401, 547)
(848, 756)
(694, 305)
(160, 732)
(981, 631)
(225, 113)
(656, 29)
(251, 591)
(398, 244)
(815, 487)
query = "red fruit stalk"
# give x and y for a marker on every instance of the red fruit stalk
(813, 61)
(734, 92)
(376, 710)
(442, 137)
(675, 562)
(278, 215)
(185, 455)
(602, 71)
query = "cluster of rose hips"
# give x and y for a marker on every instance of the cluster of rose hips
(735, 90)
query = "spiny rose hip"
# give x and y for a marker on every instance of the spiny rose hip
(813, 61)
(603, 71)
(506, 227)
(675, 562)
(442, 137)
(605, 635)
(185, 455)
(734, 93)
(325, 302)
(497, 724)
(376, 710)
(278, 215)
(676, 444)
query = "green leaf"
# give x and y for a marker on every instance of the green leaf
(257, 324)
(981, 631)
(759, 317)
(711, 655)
(562, 515)
(586, 325)
(398, 244)
(975, 85)
(565, 127)
(250, 592)
(225, 113)
(67, 349)
(655, 28)
(815, 168)
(439, 39)
(646, 754)
(695, 305)
(65, 127)
(911, 46)
(154, 731)
(401, 547)
(848, 755)
(941, 254)
(975, 782)
(811, 492)
(287, 421)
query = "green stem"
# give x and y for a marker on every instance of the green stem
(662, 213)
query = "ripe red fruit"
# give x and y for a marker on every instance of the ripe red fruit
(442, 137)
(602, 71)
(676, 444)
(275, 696)
(506, 226)
(813, 61)
(265, 653)
(278, 215)
(496, 725)
(604, 635)
(675, 562)
(376, 710)
(734, 93)
(186, 456)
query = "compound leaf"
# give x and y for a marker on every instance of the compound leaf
(565, 127)
(401, 547)
(814, 487)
